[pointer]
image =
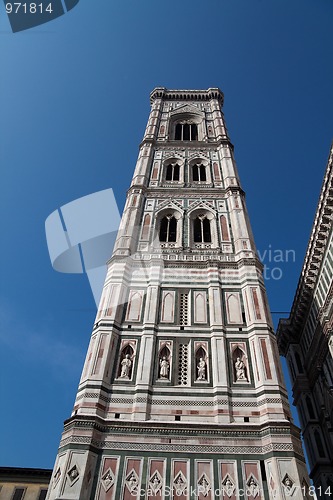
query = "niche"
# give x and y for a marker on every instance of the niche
(164, 362)
(201, 366)
(126, 363)
(239, 363)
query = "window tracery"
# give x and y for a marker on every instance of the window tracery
(199, 173)
(186, 131)
(201, 229)
(168, 229)
(172, 172)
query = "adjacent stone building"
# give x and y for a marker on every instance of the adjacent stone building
(19, 483)
(306, 340)
(182, 394)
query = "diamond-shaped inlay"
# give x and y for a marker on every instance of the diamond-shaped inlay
(288, 484)
(180, 483)
(108, 479)
(155, 482)
(56, 477)
(73, 474)
(272, 486)
(252, 486)
(204, 485)
(228, 486)
(132, 481)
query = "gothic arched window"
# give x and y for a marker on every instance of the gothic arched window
(168, 229)
(201, 230)
(186, 132)
(172, 172)
(199, 172)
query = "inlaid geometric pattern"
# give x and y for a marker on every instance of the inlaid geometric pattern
(183, 366)
(180, 402)
(183, 309)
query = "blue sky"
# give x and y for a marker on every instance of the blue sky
(74, 99)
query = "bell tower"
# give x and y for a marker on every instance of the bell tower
(182, 394)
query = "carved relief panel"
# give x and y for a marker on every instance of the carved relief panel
(131, 478)
(108, 478)
(180, 479)
(204, 479)
(252, 480)
(156, 478)
(228, 479)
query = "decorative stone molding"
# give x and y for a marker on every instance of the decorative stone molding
(197, 449)
(186, 95)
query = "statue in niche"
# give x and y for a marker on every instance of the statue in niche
(126, 367)
(164, 367)
(201, 369)
(240, 369)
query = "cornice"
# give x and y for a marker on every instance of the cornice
(181, 429)
(187, 95)
(289, 330)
